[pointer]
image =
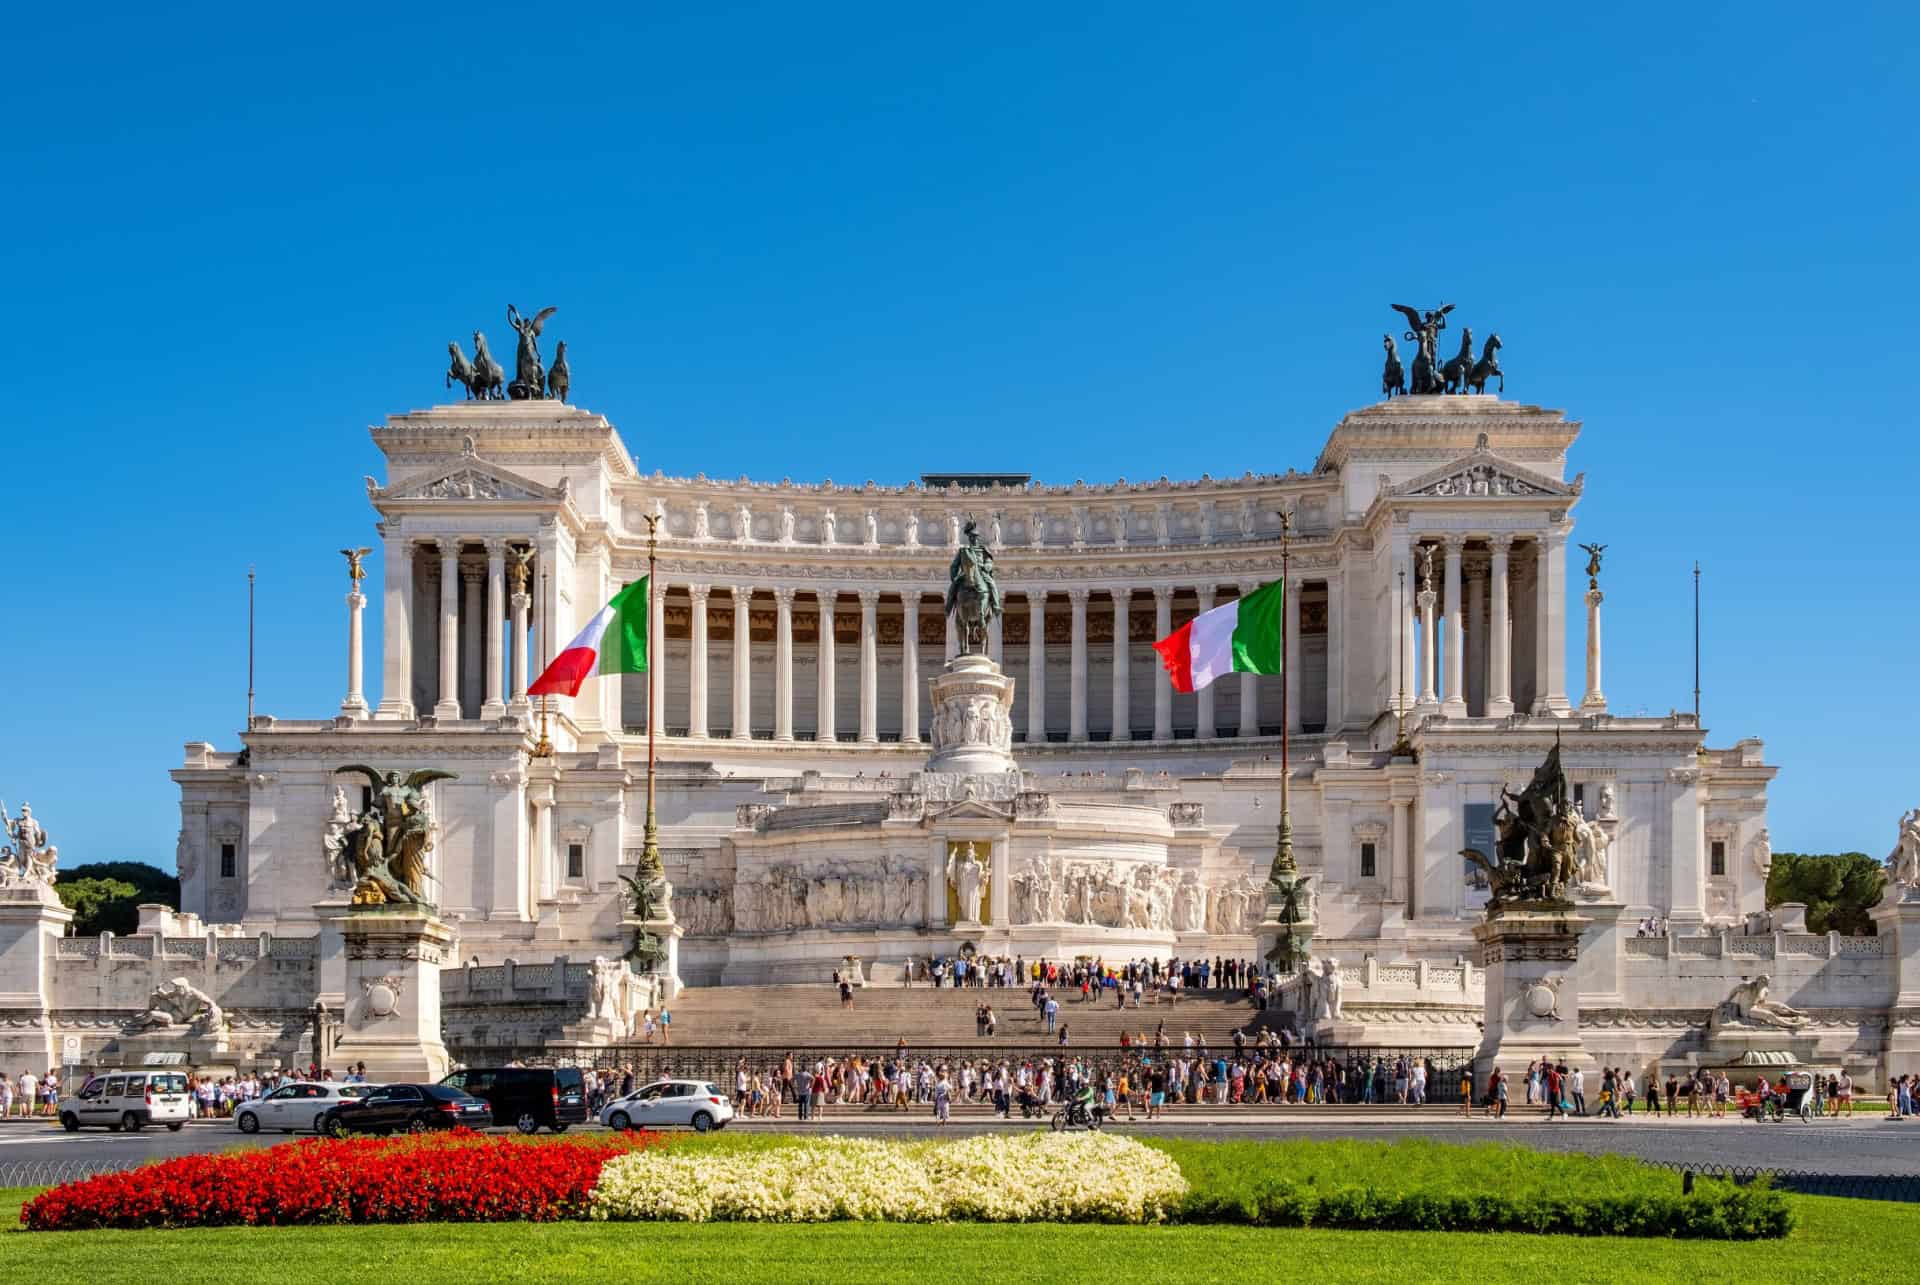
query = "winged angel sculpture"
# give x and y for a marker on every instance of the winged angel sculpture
(386, 847)
(529, 375)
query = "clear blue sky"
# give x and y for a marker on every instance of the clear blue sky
(826, 240)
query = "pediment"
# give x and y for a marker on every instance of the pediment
(971, 810)
(468, 478)
(1481, 473)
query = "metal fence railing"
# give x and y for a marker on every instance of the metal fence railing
(47, 1173)
(1865, 1186)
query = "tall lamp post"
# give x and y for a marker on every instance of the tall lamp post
(1287, 887)
(650, 871)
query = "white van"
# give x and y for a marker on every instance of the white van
(130, 1100)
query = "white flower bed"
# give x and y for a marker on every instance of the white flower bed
(1037, 1177)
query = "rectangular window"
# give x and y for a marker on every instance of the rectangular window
(576, 861)
(1719, 859)
(1580, 799)
(1368, 856)
(1480, 833)
(228, 857)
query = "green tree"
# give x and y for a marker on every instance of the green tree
(1838, 888)
(105, 896)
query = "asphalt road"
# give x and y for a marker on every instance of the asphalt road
(1858, 1146)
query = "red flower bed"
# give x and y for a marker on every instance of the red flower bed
(454, 1177)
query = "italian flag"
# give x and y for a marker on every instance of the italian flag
(614, 642)
(1239, 637)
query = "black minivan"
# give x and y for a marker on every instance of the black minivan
(527, 1096)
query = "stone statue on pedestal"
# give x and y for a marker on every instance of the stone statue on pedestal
(1749, 1006)
(28, 860)
(179, 1002)
(965, 873)
(1903, 863)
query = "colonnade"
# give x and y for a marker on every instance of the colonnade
(1465, 626)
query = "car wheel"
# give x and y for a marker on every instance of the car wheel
(619, 1121)
(559, 1127)
(70, 1122)
(248, 1122)
(527, 1123)
(702, 1121)
(130, 1122)
(319, 1122)
(417, 1125)
(334, 1127)
(175, 1126)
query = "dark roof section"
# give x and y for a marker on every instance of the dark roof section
(974, 481)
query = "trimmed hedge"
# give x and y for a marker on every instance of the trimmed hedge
(1431, 1186)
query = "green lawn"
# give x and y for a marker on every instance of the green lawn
(1834, 1240)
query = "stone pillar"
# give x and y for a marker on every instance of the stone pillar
(1077, 674)
(1404, 620)
(517, 675)
(448, 706)
(1292, 659)
(824, 730)
(697, 595)
(1551, 642)
(951, 629)
(657, 655)
(1454, 703)
(1896, 921)
(783, 664)
(355, 705)
(994, 648)
(869, 667)
(472, 663)
(1532, 996)
(1249, 684)
(1163, 681)
(998, 901)
(540, 840)
(1336, 658)
(1687, 831)
(1204, 728)
(1122, 692)
(742, 664)
(1595, 702)
(1474, 689)
(1500, 633)
(910, 668)
(1037, 667)
(491, 705)
(392, 1019)
(396, 669)
(32, 922)
(1429, 650)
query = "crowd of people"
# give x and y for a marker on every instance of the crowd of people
(1095, 979)
(30, 1094)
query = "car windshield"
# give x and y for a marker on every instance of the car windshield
(446, 1093)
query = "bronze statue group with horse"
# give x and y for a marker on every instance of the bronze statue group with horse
(1431, 377)
(486, 380)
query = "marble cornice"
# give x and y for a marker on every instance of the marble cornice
(725, 563)
(826, 491)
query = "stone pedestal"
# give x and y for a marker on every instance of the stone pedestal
(669, 931)
(392, 1010)
(1532, 997)
(31, 920)
(972, 728)
(1897, 920)
(1595, 701)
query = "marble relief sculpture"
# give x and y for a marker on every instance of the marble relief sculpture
(789, 897)
(178, 1002)
(1749, 1005)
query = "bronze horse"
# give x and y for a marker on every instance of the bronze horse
(461, 371)
(1393, 379)
(1457, 371)
(1488, 367)
(490, 378)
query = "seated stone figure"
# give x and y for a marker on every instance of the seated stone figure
(180, 1003)
(1749, 1006)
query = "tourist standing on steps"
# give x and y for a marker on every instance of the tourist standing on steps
(1554, 1105)
(1579, 1092)
(942, 1097)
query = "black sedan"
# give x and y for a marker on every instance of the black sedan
(412, 1108)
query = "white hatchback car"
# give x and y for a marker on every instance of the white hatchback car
(298, 1106)
(130, 1100)
(692, 1104)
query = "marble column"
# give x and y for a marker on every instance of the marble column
(355, 705)
(910, 668)
(540, 845)
(1404, 623)
(1429, 649)
(492, 706)
(994, 649)
(783, 664)
(1037, 667)
(1162, 681)
(1292, 676)
(474, 580)
(1454, 703)
(1122, 643)
(1336, 655)
(1475, 689)
(517, 659)
(869, 667)
(1406, 858)
(1595, 702)
(1077, 673)
(657, 656)
(1249, 684)
(448, 706)
(396, 669)
(697, 595)
(999, 899)
(1499, 632)
(824, 729)
(1550, 604)
(742, 664)
(1203, 727)
(952, 632)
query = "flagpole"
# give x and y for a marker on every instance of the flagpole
(650, 871)
(1696, 643)
(250, 646)
(1283, 852)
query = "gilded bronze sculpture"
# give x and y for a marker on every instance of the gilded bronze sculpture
(355, 572)
(1535, 848)
(387, 846)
